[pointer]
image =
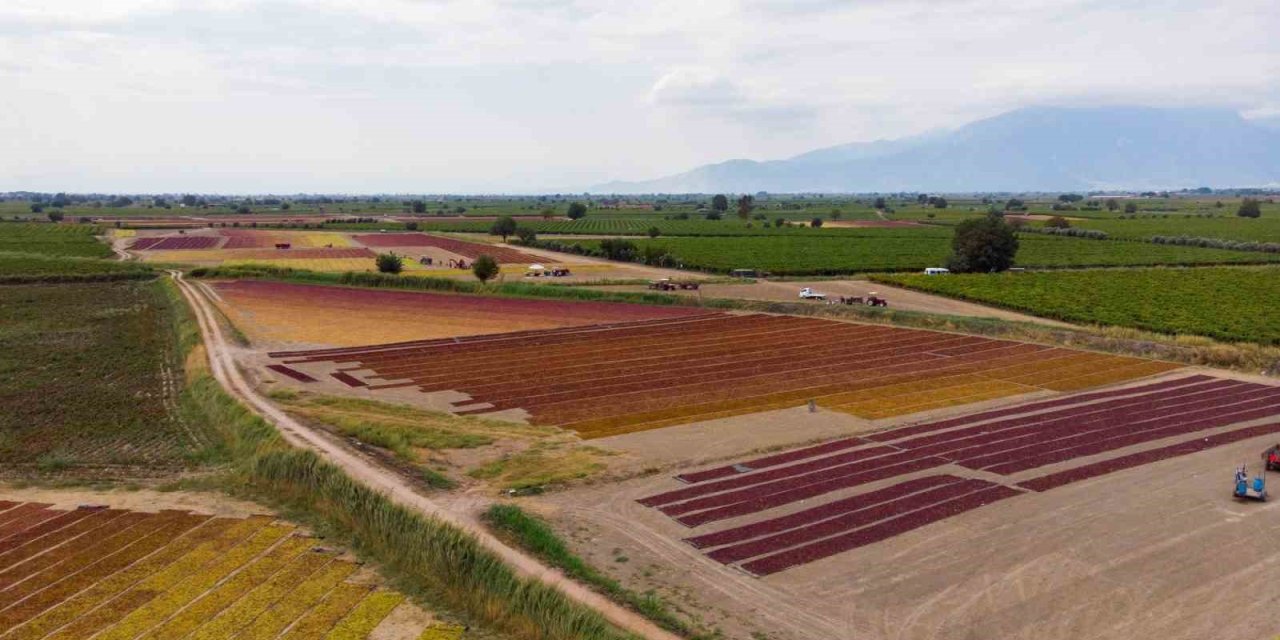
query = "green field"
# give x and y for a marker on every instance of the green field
(1230, 227)
(90, 375)
(1228, 303)
(53, 239)
(33, 266)
(895, 250)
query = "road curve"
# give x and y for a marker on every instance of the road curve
(388, 482)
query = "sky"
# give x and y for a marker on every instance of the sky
(522, 96)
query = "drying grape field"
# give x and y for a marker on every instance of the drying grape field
(105, 573)
(1011, 442)
(607, 380)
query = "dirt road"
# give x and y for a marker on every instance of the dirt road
(222, 362)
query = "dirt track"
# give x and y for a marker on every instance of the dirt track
(222, 362)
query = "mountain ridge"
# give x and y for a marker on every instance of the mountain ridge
(1027, 149)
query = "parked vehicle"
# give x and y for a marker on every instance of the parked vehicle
(810, 294)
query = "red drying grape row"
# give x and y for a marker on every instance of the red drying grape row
(1053, 480)
(848, 443)
(1092, 444)
(58, 562)
(348, 379)
(765, 500)
(822, 512)
(471, 250)
(1068, 424)
(895, 434)
(875, 533)
(778, 483)
(44, 527)
(846, 522)
(178, 243)
(26, 516)
(513, 337)
(994, 431)
(766, 476)
(291, 372)
(33, 542)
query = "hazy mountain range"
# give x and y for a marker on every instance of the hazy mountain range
(1031, 149)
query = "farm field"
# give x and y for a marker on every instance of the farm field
(469, 250)
(282, 314)
(1227, 303)
(1228, 226)
(1013, 441)
(35, 266)
(73, 240)
(898, 251)
(90, 379)
(603, 381)
(115, 573)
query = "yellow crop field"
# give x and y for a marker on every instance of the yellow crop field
(179, 575)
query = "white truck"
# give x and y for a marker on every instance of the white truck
(809, 294)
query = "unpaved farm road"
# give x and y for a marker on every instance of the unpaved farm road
(388, 482)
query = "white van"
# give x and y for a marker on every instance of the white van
(936, 271)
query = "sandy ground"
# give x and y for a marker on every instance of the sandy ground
(1160, 552)
(904, 299)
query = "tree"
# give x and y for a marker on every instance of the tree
(390, 263)
(983, 245)
(55, 216)
(418, 206)
(618, 249)
(1130, 207)
(243, 209)
(779, 222)
(285, 206)
(835, 214)
(411, 226)
(485, 268)
(713, 215)
(36, 207)
(720, 203)
(504, 226)
(938, 202)
(577, 211)
(816, 223)
(526, 235)
(548, 213)
(1015, 204)
(188, 200)
(654, 232)
(745, 204)
(1112, 204)
(879, 203)
(1249, 208)
(1058, 222)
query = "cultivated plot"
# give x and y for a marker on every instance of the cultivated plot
(614, 379)
(1037, 446)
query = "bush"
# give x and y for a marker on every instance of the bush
(1131, 207)
(390, 263)
(55, 216)
(1058, 222)
(618, 249)
(485, 268)
(815, 223)
(526, 235)
(410, 226)
(1249, 208)
(654, 232)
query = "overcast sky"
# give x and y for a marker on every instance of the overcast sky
(346, 96)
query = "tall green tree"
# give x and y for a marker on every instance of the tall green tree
(745, 204)
(720, 203)
(983, 245)
(503, 226)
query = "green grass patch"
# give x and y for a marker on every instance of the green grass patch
(535, 536)
(1226, 303)
(67, 240)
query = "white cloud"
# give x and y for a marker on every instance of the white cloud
(352, 95)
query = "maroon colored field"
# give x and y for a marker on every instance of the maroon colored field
(469, 250)
(1004, 441)
(169, 243)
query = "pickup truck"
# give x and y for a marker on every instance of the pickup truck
(809, 294)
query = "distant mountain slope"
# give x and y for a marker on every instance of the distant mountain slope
(1031, 149)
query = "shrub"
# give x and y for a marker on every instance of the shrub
(485, 268)
(654, 232)
(1249, 208)
(390, 263)
(1057, 222)
(526, 235)
(815, 223)
(410, 226)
